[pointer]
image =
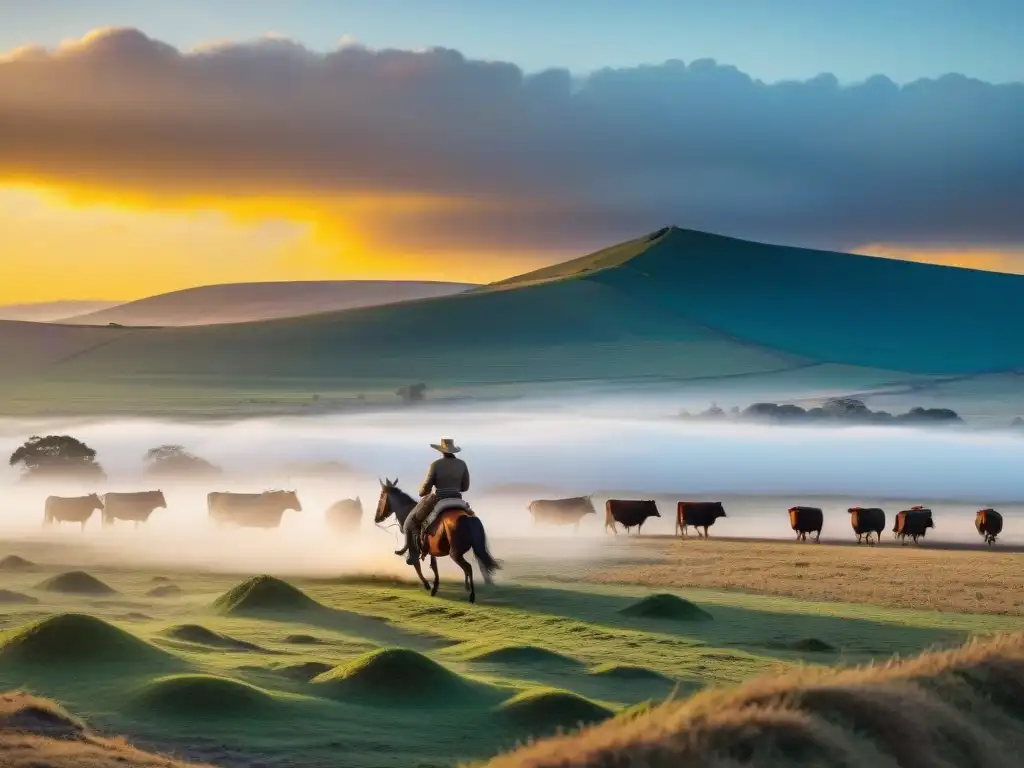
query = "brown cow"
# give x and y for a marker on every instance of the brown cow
(134, 507)
(76, 509)
(345, 515)
(699, 514)
(561, 511)
(252, 510)
(989, 524)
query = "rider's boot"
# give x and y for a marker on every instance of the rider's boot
(412, 541)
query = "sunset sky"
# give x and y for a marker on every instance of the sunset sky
(147, 147)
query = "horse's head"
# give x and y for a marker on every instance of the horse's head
(384, 508)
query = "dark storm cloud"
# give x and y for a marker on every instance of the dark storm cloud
(554, 161)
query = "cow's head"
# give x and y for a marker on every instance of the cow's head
(652, 509)
(287, 499)
(588, 505)
(719, 511)
(95, 500)
(161, 500)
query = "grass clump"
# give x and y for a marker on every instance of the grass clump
(204, 696)
(76, 639)
(7, 597)
(200, 635)
(264, 594)
(628, 672)
(664, 606)
(302, 640)
(165, 590)
(957, 708)
(520, 655)
(545, 710)
(304, 671)
(16, 564)
(76, 583)
(397, 677)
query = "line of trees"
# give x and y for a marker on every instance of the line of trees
(68, 458)
(846, 410)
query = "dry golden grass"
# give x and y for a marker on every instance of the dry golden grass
(36, 733)
(961, 581)
(963, 707)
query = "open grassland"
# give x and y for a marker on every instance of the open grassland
(242, 671)
(897, 577)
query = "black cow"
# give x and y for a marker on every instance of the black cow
(867, 520)
(699, 514)
(913, 522)
(628, 514)
(989, 524)
(561, 511)
(806, 520)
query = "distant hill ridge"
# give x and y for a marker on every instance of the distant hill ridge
(673, 304)
(247, 302)
(48, 311)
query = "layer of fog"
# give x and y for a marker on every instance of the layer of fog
(546, 454)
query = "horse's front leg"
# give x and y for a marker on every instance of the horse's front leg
(437, 576)
(419, 572)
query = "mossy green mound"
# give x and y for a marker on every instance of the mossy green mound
(16, 564)
(204, 696)
(543, 711)
(76, 583)
(302, 640)
(7, 597)
(666, 607)
(521, 655)
(304, 671)
(165, 590)
(805, 645)
(200, 635)
(75, 638)
(264, 594)
(397, 677)
(628, 672)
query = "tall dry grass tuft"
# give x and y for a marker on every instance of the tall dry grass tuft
(943, 709)
(35, 732)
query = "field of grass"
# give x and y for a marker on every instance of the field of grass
(242, 670)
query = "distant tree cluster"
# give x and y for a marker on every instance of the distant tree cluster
(412, 393)
(56, 456)
(175, 461)
(844, 410)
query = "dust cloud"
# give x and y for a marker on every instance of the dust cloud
(514, 456)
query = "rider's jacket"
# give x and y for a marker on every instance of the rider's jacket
(448, 477)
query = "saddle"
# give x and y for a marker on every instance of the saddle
(443, 505)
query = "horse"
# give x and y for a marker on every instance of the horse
(455, 532)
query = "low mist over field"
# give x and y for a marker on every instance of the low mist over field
(514, 456)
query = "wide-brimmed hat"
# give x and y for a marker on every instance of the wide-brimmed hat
(447, 446)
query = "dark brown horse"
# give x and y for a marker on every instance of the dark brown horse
(453, 534)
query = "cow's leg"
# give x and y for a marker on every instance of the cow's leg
(817, 536)
(639, 529)
(707, 533)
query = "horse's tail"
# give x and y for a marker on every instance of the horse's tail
(478, 541)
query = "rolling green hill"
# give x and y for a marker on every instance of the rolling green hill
(675, 304)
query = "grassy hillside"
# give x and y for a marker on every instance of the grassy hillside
(673, 305)
(951, 708)
(244, 302)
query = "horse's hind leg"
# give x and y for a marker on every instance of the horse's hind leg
(467, 569)
(437, 577)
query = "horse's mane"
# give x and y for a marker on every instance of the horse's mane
(400, 493)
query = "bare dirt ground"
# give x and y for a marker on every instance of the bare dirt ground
(953, 578)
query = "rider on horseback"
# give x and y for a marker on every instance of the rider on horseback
(447, 478)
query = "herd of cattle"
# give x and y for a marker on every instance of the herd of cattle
(910, 523)
(265, 510)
